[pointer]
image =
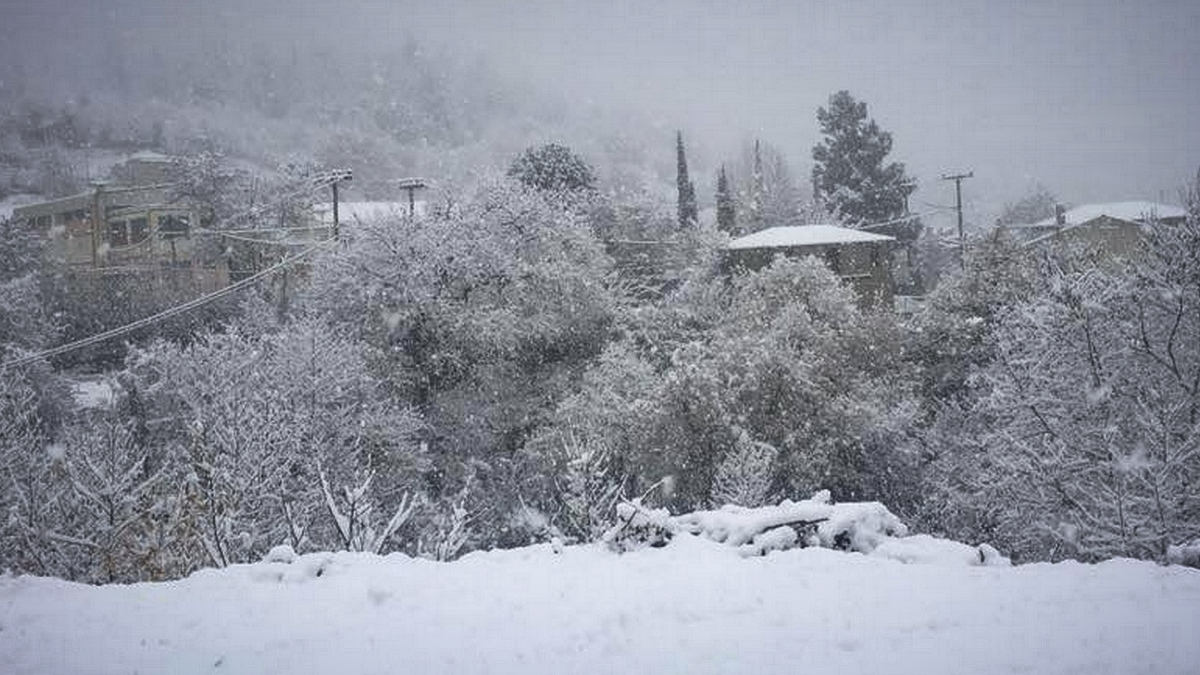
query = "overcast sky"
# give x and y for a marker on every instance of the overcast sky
(1097, 100)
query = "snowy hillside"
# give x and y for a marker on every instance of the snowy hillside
(694, 606)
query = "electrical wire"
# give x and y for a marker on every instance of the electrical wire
(312, 183)
(165, 314)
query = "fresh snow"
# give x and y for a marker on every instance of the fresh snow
(804, 235)
(1185, 554)
(693, 606)
(863, 525)
(13, 202)
(1132, 211)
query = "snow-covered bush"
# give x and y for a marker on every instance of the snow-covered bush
(744, 476)
(588, 488)
(1185, 554)
(639, 526)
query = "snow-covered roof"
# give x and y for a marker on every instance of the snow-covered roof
(149, 156)
(365, 211)
(1132, 211)
(804, 235)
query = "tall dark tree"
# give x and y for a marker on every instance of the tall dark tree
(849, 173)
(726, 210)
(686, 208)
(553, 167)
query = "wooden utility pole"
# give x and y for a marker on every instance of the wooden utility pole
(958, 179)
(411, 185)
(98, 221)
(336, 234)
(339, 176)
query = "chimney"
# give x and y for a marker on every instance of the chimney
(1060, 215)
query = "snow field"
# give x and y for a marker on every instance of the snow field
(694, 606)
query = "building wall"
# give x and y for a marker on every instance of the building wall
(134, 227)
(862, 265)
(1109, 235)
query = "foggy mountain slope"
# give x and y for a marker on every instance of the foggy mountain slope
(396, 110)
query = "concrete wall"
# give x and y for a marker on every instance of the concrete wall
(862, 265)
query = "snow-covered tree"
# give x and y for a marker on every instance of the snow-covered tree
(476, 319)
(783, 355)
(954, 333)
(1080, 439)
(210, 183)
(33, 492)
(256, 418)
(25, 321)
(553, 167)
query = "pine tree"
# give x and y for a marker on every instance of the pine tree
(849, 174)
(687, 191)
(726, 212)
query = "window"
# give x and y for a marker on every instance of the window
(138, 230)
(117, 234)
(173, 226)
(833, 259)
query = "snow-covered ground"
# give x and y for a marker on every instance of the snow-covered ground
(694, 606)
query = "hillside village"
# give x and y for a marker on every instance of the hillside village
(308, 315)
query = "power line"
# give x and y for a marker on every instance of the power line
(317, 181)
(165, 314)
(938, 207)
(900, 219)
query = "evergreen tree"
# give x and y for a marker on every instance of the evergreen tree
(726, 212)
(687, 191)
(849, 174)
(754, 202)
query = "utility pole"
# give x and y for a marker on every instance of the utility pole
(958, 179)
(339, 175)
(98, 220)
(411, 185)
(335, 213)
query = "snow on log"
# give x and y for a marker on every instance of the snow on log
(862, 527)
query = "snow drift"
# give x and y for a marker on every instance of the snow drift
(695, 604)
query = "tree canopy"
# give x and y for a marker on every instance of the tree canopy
(553, 167)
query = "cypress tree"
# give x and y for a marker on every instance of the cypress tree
(686, 207)
(726, 213)
(758, 191)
